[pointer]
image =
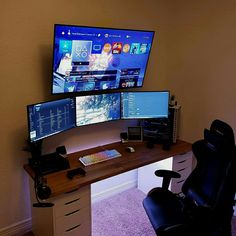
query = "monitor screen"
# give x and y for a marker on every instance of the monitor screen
(49, 118)
(143, 105)
(94, 58)
(93, 109)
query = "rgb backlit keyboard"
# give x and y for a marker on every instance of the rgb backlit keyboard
(99, 157)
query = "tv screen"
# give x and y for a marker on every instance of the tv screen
(143, 105)
(49, 118)
(93, 58)
(93, 109)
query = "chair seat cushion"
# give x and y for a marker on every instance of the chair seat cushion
(164, 209)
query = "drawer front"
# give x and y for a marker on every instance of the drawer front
(176, 184)
(177, 187)
(83, 229)
(184, 172)
(71, 202)
(182, 161)
(74, 224)
(74, 204)
(183, 156)
(67, 197)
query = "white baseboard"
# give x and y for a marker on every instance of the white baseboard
(17, 229)
(113, 191)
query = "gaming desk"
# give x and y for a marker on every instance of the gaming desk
(61, 185)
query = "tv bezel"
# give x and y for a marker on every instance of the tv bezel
(78, 93)
(144, 118)
(48, 101)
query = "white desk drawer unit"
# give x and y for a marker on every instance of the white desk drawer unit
(75, 223)
(183, 165)
(71, 202)
(72, 213)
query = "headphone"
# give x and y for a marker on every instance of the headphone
(42, 192)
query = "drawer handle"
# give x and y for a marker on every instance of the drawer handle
(68, 230)
(67, 203)
(183, 153)
(71, 213)
(181, 169)
(181, 161)
(180, 181)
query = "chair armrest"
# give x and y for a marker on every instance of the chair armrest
(167, 175)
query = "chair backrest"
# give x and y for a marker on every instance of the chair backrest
(224, 130)
(212, 183)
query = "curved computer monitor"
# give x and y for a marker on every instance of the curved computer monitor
(94, 58)
(144, 105)
(92, 109)
(49, 118)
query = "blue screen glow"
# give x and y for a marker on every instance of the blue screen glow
(141, 105)
(49, 118)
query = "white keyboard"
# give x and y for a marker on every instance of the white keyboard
(99, 157)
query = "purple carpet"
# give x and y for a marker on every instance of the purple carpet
(123, 214)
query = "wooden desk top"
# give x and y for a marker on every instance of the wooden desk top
(59, 183)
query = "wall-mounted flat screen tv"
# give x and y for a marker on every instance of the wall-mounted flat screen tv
(95, 58)
(92, 109)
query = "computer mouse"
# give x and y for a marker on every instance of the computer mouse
(129, 149)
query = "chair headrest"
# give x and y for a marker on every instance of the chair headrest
(214, 141)
(223, 129)
(219, 139)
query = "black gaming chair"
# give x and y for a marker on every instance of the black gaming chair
(206, 205)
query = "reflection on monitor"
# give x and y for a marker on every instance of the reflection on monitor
(93, 109)
(49, 118)
(92, 58)
(143, 105)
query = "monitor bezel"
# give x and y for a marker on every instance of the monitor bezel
(145, 118)
(48, 101)
(79, 93)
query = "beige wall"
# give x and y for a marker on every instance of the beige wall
(26, 33)
(194, 55)
(202, 63)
